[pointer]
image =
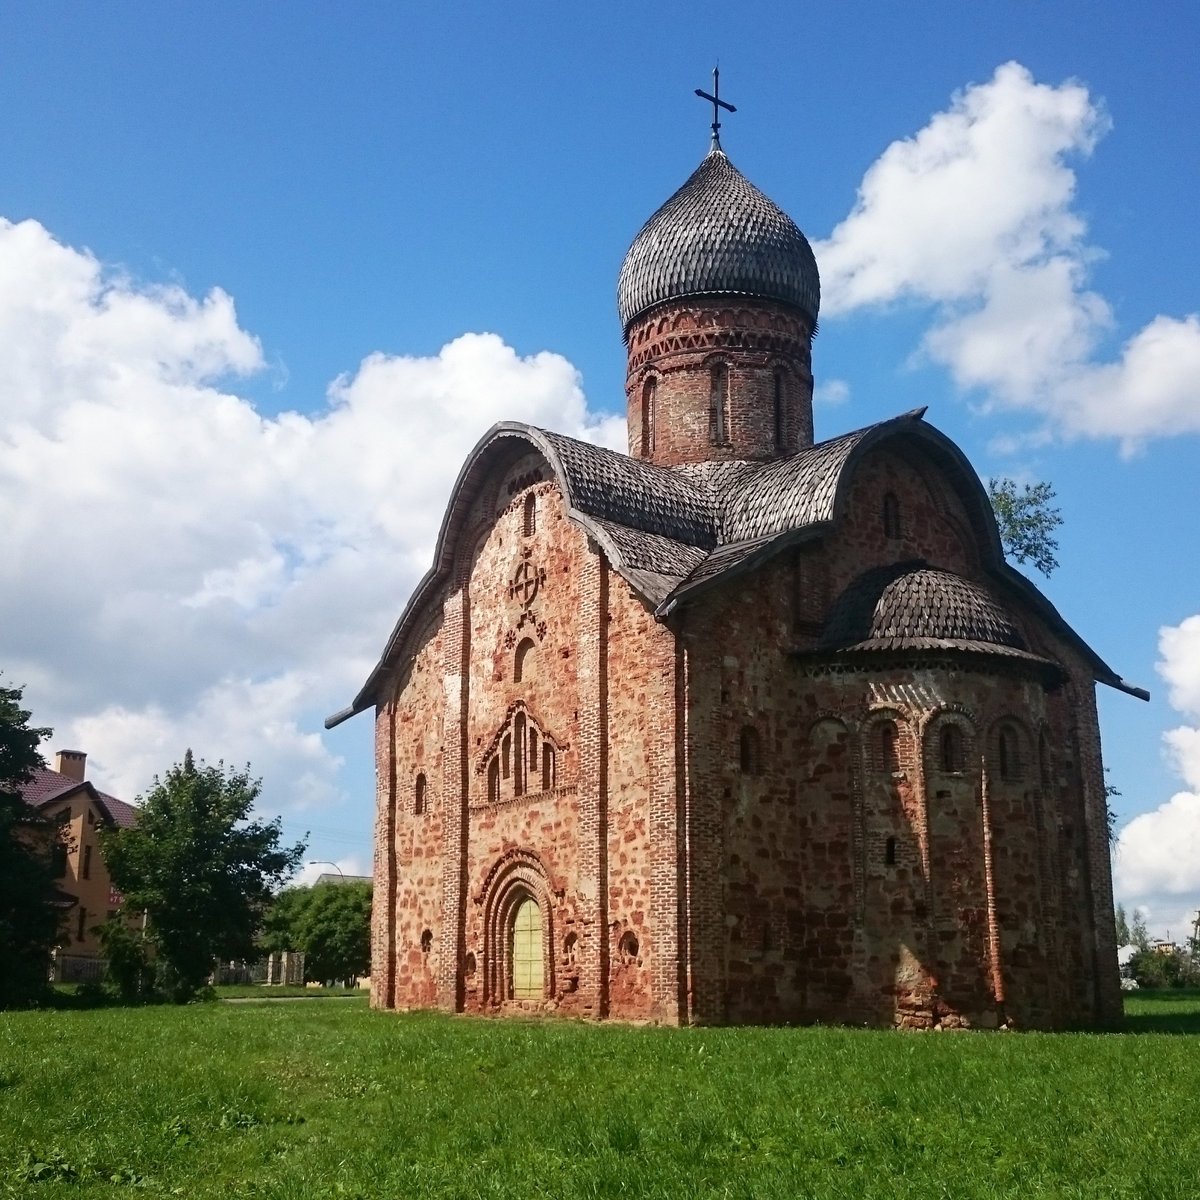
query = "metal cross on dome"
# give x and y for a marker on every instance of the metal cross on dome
(718, 104)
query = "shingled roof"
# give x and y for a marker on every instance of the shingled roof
(718, 235)
(46, 786)
(911, 606)
(673, 532)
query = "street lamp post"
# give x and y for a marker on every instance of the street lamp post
(324, 862)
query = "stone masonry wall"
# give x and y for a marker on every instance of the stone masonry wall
(859, 874)
(718, 825)
(582, 819)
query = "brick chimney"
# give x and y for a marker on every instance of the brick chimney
(71, 763)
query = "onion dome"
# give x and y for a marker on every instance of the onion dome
(718, 235)
(910, 606)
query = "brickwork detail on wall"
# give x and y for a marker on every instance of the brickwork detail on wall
(728, 382)
(719, 816)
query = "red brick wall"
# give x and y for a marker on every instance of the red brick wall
(828, 884)
(678, 346)
(682, 875)
(597, 849)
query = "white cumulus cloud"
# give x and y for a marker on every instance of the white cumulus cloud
(975, 216)
(1157, 860)
(181, 570)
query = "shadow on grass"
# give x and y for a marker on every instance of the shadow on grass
(1171, 1010)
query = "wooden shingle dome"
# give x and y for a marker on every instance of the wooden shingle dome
(718, 235)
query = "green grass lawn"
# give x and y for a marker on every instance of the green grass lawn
(332, 1100)
(276, 991)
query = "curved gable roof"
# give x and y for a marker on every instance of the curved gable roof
(654, 524)
(673, 532)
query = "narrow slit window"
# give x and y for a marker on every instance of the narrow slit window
(889, 747)
(750, 751)
(649, 388)
(87, 862)
(780, 413)
(419, 795)
(521, 660)
(952, 749)
(506, 755)
(1010, 758)
(547, 766)
(494, 780)
(719, 403)
(891, 516)
(519, 754)
(889, 852)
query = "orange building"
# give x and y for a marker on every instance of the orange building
(80, 810)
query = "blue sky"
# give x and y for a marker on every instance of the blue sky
(243, 245)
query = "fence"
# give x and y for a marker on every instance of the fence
(286, 967)
(76, 968)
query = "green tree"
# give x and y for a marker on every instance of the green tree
(1139, 935)
(30, 918)
(1111, 791)
(201, 870)
(1123, 935)
(1027, 522)
(330, 923)
(281, 924)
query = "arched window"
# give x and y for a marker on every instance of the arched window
(527, 951)
(547, 766)
(519, 754)
(1009, 754)
(530, 524)
(889, 747)
(750, 751)
(718, 416)
(506, 755)
(953, 757)
(521, 660)
(627, 947)
(419, 795)
(494, 780)
(648, 394)
(891, 516)
(780, 412)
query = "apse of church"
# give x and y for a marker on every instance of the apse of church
(739, 726)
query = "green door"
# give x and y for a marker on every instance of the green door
(527, 952)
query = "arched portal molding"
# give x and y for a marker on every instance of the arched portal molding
(516, 876)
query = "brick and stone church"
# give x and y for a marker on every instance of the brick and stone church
(738, 726)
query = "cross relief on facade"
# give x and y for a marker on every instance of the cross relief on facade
(528, 579)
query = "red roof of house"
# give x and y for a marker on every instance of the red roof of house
(47, 786)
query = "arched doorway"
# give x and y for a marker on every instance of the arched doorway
(518, 930)
(527, 955)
